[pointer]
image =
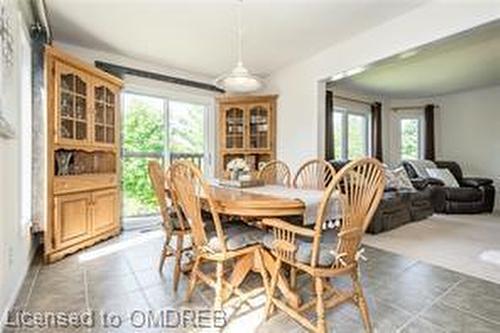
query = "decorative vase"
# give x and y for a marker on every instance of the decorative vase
(63, 163)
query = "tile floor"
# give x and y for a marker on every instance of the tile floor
(120, 278)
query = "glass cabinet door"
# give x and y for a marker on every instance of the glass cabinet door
(234, 118)
(105, 115)
(71, 105)
(259, 127)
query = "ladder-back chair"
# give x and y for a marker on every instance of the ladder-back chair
(358, 187)
(217, 243)
(275, 173)
(173, 222)
(315, 174)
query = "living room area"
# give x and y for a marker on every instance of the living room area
(429, 113)
(249, 166)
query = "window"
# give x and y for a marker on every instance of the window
(157, 128)
(351, 134)
(411, 138)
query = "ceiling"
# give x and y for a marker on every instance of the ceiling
(200, 36)
(464, 62)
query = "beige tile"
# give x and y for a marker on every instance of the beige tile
(102, 287)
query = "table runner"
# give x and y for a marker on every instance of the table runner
(310, 198)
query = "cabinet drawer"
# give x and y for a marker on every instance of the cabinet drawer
(70, 184)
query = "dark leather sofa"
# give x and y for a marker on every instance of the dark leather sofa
(475, 194)
(397, 207)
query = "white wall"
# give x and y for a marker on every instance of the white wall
(16, 248)
(301, 86)
(467, 130)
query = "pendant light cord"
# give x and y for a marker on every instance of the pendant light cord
(240, 34)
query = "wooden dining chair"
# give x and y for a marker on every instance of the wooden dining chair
(216, 243)
(173, 222)
(315, 174)
(358, 187)
(275, 173)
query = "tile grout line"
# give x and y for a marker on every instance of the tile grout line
(396, 276)
(474, 314)
(86, 288)
(32, 286)
(141, 288)
(435, 301)
(87, 296)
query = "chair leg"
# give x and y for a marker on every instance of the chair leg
(320, 306)
(361, 301)
(164, 254)
(193, 278)
(272, 289)
(178, 257)
(293, 277)
(219, 275)
(262, 271)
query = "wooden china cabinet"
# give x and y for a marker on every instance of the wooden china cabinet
(83, 155)
(247, 129)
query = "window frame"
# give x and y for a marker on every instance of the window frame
(344, 154)
(411, 115)
(166, 98)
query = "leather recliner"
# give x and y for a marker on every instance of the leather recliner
(475, 194)
(397, 207)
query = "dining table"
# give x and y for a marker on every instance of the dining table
(246, 202)
(267, 201)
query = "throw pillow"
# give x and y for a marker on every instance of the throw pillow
(391, 180)
(421, 166)
(403, 181)
(443, 175)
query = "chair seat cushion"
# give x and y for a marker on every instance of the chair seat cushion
(305, 246)
(238, 235)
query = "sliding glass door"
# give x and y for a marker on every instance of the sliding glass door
(157, 128)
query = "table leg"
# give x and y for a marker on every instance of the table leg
(243, 266)
(269, 263)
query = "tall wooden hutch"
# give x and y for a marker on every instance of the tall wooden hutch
(83, 130)
(247, 129)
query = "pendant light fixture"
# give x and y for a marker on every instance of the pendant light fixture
(240, 80)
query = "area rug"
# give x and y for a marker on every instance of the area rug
(468, 244)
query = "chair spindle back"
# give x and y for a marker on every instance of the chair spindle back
(158, 181)
(314, 175)
(359, 187)
(275, 173)
(190, 188)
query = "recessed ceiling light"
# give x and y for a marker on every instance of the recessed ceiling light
(338, 76)
(408, 54)
(355, 71)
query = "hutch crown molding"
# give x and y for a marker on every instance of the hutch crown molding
(83, 133)
(247, 129)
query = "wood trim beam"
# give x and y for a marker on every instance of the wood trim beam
(120, 71)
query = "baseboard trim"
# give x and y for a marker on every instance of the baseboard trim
(13, 297)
